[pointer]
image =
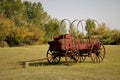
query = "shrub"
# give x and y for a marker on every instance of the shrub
(4, 44)
(112, 37)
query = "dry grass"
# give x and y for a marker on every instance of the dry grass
(11, 69)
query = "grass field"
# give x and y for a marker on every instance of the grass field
(11, 69)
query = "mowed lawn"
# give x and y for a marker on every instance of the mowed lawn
(12, 69)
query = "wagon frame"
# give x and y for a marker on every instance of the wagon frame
(74, 49)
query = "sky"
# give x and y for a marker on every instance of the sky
(104, 11)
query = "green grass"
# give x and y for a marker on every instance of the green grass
(11, 69)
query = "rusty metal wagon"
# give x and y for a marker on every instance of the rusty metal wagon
(74, 49)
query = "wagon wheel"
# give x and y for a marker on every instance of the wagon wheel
(53, 57)
(82, 57)
(98, 55)
(71, 56)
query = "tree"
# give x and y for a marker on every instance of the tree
(115, 35)
(52, 28)
(90, 27)
(35, 34)
(34, 13)
(6, 27)
(28, 19)
(111, 37)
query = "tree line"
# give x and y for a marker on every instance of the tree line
(27, 23)
(106, 35)
(24, 23)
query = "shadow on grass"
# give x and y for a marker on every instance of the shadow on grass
(86, 62)
(46, 63)
(41, 63)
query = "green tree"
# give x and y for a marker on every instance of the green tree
(52, 28)
(35, 34)
(90, 27)
(6, 27)
(115, 35)
(111, 37)
(35, 13)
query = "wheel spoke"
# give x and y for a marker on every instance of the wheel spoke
(82, 58)
(54, 59)
(95, 59)
(98, 59)
(51, 60)
(71, 56)
(99, 54)
(101, 57)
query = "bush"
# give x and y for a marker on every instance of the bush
(4, 44)
(112, 37)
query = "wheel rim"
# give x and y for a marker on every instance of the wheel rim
(53, 57)
(99, 55)
(71, 56)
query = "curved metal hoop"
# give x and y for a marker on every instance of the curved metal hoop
(80, 21)
(98, 26)
(72, 24)
(74, 21)
(62, 23)
(96, 22)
